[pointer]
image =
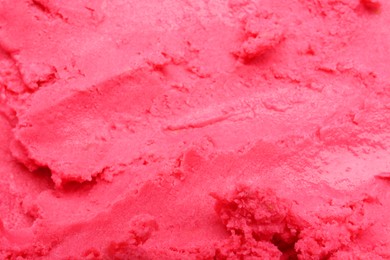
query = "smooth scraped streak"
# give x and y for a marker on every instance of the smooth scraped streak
(224, 129)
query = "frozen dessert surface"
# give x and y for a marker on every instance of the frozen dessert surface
(240, 129)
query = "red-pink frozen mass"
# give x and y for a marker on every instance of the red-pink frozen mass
(162, 129)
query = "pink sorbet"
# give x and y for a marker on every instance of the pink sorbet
(204, 129)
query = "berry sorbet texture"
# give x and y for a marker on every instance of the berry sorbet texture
(204, 129)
